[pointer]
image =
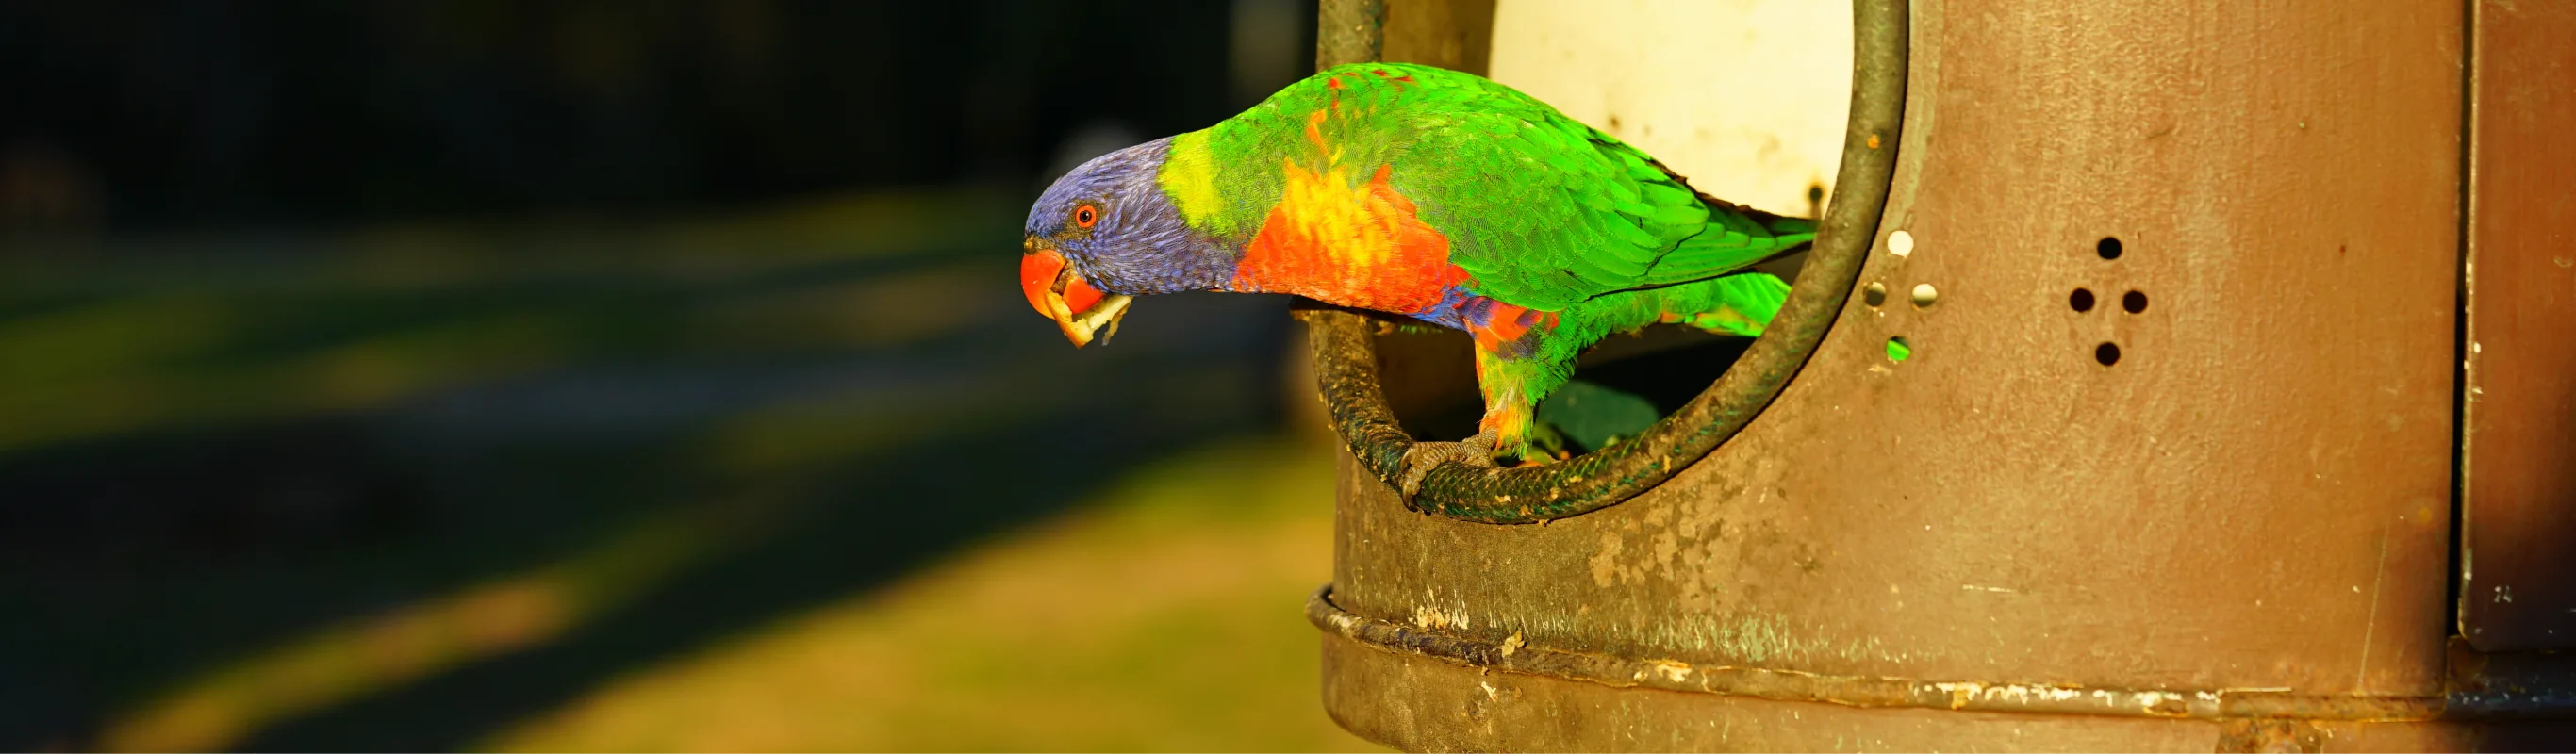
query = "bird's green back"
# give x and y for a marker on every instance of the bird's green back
(1540, 210)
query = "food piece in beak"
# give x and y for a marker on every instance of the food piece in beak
(1101, 320)
(1057, 292)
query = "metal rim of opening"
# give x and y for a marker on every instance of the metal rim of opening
(1346, 359)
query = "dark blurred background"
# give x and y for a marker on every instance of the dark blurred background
(147, 114)
(627, 375)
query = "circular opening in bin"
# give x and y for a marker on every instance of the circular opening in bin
(1346, 359)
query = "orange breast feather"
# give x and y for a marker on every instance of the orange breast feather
(1348, 242)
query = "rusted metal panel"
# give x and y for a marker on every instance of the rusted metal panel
(2255, 497)
(2518, 453)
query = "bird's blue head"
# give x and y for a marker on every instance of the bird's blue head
(1106, 232)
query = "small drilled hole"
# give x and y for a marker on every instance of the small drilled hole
(2082, 300)
(1900, 243)
(2134, 301)
(2107, 353)
(2109, 248)
(1925, 296)
(1873, 294)
(1897, 350)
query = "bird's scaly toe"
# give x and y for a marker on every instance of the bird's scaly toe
(1477, 451)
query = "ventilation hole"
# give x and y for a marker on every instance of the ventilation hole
(2134, 301)
(2107, 353)
(1925, 296)
(2109, 248)
(2082, 300)
(1900, 243)
(1873, 294)
(1897, 350)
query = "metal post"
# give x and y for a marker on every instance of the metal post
(1349, 31)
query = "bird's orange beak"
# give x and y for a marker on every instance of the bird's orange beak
(1059, 293)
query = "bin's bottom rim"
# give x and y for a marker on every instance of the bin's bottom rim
(1513, 655)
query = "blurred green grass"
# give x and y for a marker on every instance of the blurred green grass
(1147, 620)
(184, 330)
(558, 485)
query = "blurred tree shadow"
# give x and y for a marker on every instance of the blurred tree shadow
(179, 571)
(167, 113)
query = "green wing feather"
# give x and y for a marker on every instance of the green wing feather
(1736, 238)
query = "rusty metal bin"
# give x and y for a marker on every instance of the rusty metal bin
(2177, 463)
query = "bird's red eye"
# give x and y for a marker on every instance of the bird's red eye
(1085, 216)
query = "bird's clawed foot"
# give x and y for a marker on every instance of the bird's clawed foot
(1477, 451)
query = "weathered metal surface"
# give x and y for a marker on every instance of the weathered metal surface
(1348, 31)
(2520, 687)
(2515, 685)
(1595, 480)
(1453, 34)
(1418, 703)
(2254, 498)
(1421, 704)
(2517, 449)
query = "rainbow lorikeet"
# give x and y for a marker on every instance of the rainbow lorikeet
(1420, 192)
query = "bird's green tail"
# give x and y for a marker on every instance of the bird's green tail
(1740, 305)
(1797, 229)
(1732, 305)
(1735, 238)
